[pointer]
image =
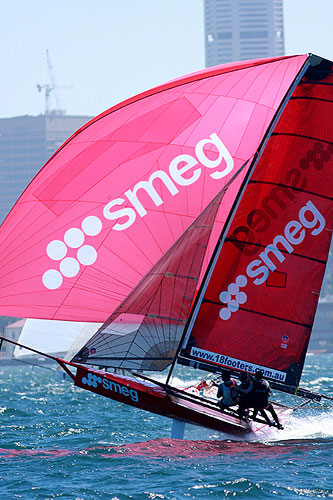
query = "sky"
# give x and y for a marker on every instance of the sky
(105, 51)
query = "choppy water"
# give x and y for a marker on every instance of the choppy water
(58, 441)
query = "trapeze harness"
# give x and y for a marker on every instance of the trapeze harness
(228, 392)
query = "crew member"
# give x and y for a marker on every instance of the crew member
(227, 391)
(260, 399)
(244, 394)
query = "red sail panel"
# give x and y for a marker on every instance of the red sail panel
(118, 194)
(259, 306)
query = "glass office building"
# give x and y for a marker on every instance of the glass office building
(237, 30)
(26, 143)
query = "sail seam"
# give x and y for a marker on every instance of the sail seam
(309, 98)
(314, 82)
(306, 325)
(172, 275)
(259, 245)
(165, 317)
(330, 198)
(302, 136)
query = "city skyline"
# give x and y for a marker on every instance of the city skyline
(104, 55)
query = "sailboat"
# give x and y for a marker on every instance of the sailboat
(194, 221)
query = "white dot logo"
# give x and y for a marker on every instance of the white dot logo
(233, 297)
(233, 305)
(52, 279)
(91, 225)
(91, 380)
(56, 250)
(241, 297)
(225, 313)
(86, 255)
(225, 297)
(74, 238)
(233, 288)
(69, 267)
(241, 280)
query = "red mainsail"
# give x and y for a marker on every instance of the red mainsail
(259, 305)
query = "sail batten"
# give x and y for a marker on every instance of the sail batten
(261, 246)
(271, 316)
(311, 138)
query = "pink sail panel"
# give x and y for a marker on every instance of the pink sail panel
(259, 307)
(116, 196)
(144, 332)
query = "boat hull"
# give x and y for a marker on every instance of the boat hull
(155, 399)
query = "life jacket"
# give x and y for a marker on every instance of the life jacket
(245, 398)
(260, 394)
(228, 392)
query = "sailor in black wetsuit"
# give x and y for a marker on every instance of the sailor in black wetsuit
(245, 389)
(260, 399)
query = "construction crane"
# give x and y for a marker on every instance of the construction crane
(51, 87)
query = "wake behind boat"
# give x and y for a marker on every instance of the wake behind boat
(217, 265)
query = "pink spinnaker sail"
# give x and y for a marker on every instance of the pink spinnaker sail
(118, 194)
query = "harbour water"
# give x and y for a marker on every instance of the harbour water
(58, 441)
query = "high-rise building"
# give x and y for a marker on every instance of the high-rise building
(236, 30)
(26, 143)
